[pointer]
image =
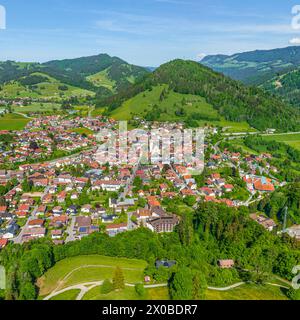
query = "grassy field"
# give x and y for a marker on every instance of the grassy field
(248, 292)
(291, 139)
(37, 107)
(82, 269)
(128, 293)
(144, 102)
(101, 79)
(68, 295)
(13, 121)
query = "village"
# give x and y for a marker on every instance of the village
(67, 198)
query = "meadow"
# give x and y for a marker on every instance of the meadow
(13, 121)
(83, 269)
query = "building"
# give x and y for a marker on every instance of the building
(226, 264)
(165, 223)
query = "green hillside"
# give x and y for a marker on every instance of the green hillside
(174, 107)
(286, 85)
(255, 67)
(40, 85)
(230, 99)
(101, 74)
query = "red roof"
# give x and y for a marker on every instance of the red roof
(3, 243)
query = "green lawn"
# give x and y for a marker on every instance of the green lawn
(13, 121)
(248, 292)
(68, 295)
(82, 131)
(82, 269)
(128, 293)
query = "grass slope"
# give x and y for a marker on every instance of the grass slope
(76, 270)
(144, 102)
(248, 292)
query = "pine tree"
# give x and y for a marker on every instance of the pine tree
(118, 279)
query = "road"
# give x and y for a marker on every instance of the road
(19, 238)
(70, 230)
(87, 286)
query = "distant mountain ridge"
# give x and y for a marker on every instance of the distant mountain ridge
(101, 74)
(255, 67)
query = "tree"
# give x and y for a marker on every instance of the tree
(200, 285)
(118, 279)
(181, 286)
(107, 287)
(140, 290)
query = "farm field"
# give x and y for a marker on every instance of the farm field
(248, 292)
(83, 269)
(82, 131)
(37, 107)
(13, 121)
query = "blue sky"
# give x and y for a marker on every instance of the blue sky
(144, 32)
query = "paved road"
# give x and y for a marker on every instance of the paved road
(87, 286)
(19, 238)
(70, 230)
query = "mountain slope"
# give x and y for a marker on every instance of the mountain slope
(230, 98)
(92, 73)
(255, 67)
(38, 85)
(286, 85)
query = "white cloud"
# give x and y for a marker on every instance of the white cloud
(295, 41)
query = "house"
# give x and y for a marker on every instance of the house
(3, 243)
(294, 232)
(37, 223)
(267, 223)
(114, 229)
(165, 223)
(86, 208)
(41, 210)
(59, 221)
(72, 210)
(226, 264)
(57, 211)
(56, 234)
(32, 233)
(81, 222)
(228, 187)
(165, 263)
(108, 218)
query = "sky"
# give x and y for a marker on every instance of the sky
(143, 32)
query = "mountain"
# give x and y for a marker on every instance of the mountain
(255, 67)
(100, 74)
(286, 85)
(229, 99)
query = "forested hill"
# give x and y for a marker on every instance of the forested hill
(101, 73)
(230, 98)
(255, 67)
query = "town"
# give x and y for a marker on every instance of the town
(52, 185)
